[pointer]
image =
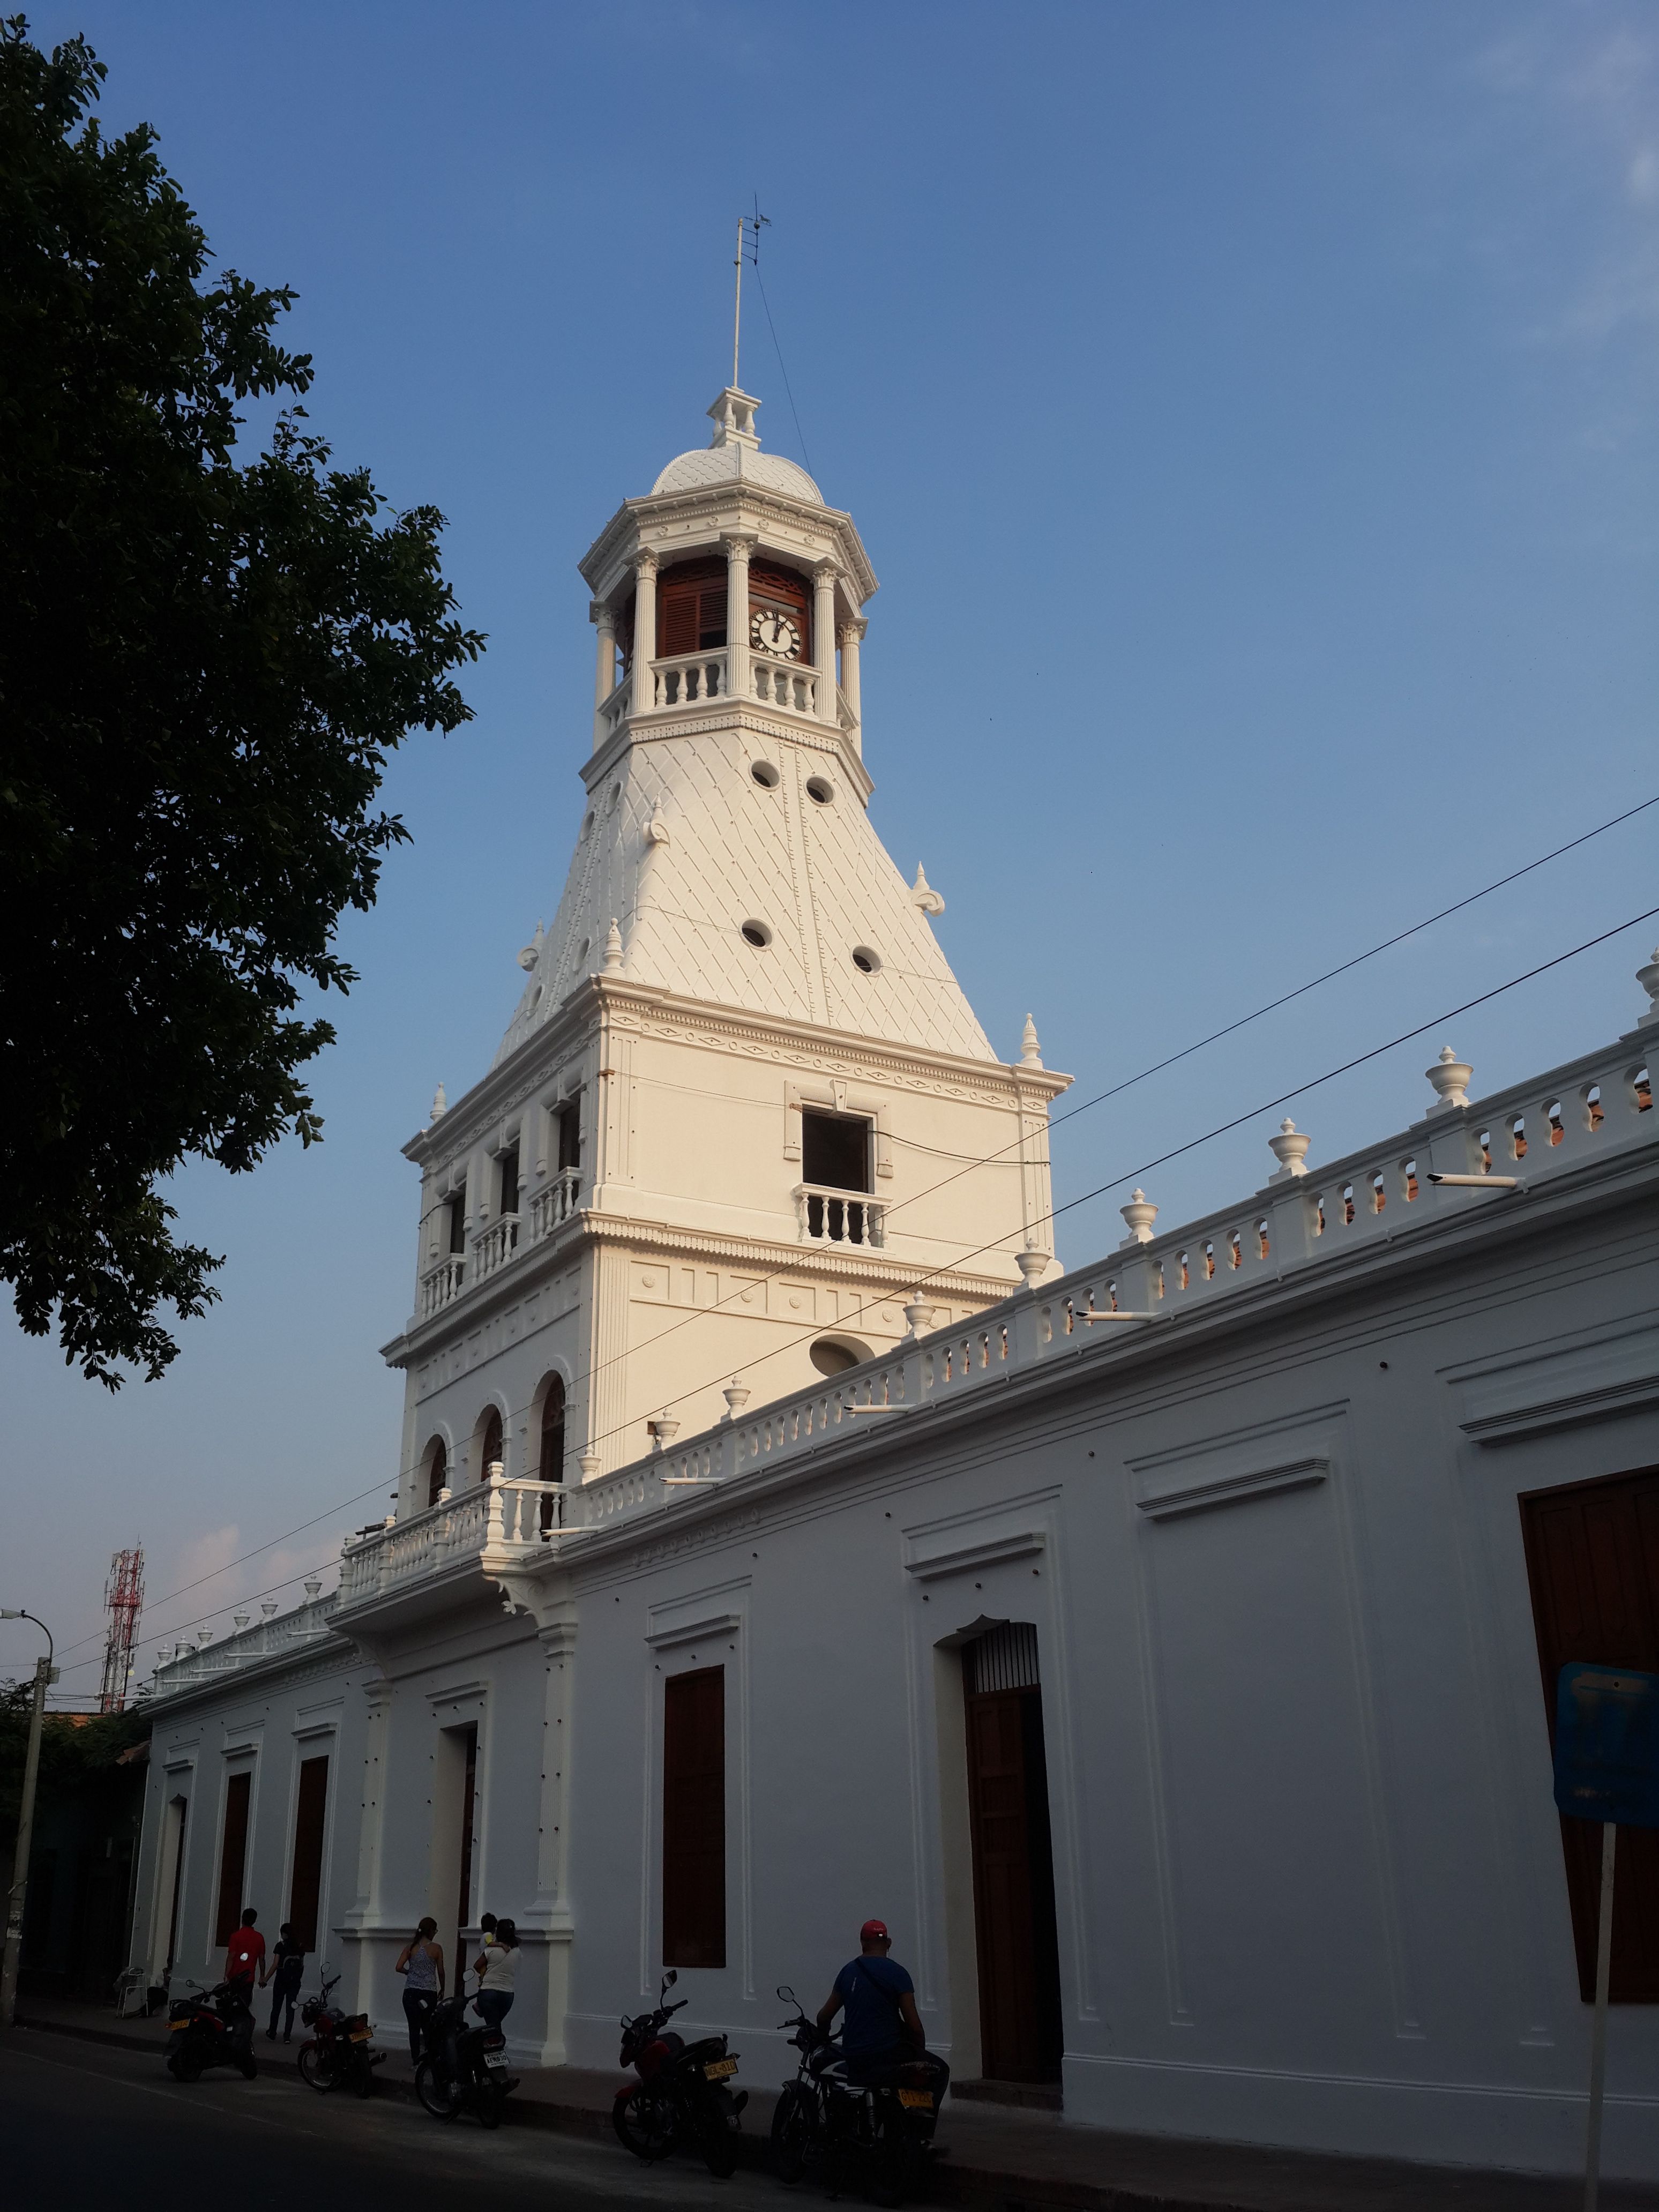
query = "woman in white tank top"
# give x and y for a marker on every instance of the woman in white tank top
(497, 1971)
(422, 1962)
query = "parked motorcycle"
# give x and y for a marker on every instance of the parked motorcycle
(338, 2052)
(877, 2134)
(681, 2098)
(463, 2065)
(214, 2028)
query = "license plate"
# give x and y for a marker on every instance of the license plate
(916, 2100)
(719, 2069)
(494, 2058)
(363, 2035)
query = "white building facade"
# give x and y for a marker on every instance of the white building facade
(1160, 1648)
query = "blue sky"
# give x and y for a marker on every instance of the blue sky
(1249, 413)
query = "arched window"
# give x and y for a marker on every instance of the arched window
(551, 1465)
(489, 1443)
(437, 1469)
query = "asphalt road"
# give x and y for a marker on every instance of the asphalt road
(84, 2126)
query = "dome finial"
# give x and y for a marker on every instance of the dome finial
(611, 965)
(1030, 1053)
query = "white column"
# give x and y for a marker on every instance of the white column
(604, 669)
(823, 638)
(852, 635)
(739, 545)
(645, 630)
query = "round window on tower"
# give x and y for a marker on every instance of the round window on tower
(820, 790)
(756, 933)
(765, 775)
(865, 959)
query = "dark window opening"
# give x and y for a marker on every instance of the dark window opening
(233, 1857)
(457, 1210)
(507, 1168)
(569, 1121)
(489, 1449)
(437, 1471)
(306, 1889)
(1593, 1565)
(835, 1150)
(551, 1465)
(693, 1818)
(469, 1792)
(692, 608)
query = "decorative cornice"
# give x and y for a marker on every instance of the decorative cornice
(781, 1257)
(711, 505)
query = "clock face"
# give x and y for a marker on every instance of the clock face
(773, 632)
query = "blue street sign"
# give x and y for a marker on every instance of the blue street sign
(1606, 1745)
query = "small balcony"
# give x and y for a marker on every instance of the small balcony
(837, 1216)
(790, 684)
(554, 1203)
(494, 1247)
(688, 678)
(442, 1283)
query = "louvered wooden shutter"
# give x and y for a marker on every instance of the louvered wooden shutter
(677, 620)
(306, 1889)
(693, 1818)
(1592, 1563)
(233, 1856)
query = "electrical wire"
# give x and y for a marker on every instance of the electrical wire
(1084, 1106)
(778, 349)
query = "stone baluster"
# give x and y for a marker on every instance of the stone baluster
(823, 638)
(738, 545)
(604, 672)
(645, 630)
(495, 1530)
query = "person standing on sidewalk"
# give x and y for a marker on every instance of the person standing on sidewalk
(497, 1970)
(244, 1960)
(421, 1960)
(287, 1966)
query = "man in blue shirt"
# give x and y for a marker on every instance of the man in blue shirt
(883, 2026)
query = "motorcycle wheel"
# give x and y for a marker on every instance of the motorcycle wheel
(489, 2099)
(250, 2067)
(364, 2082)
(644, 2122)
(313, 2072)
(897, 2169)
(792, 2136)
(434, 2092)
(185, 2066)
(717, 2140)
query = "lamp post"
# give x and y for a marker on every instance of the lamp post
(45, 1673)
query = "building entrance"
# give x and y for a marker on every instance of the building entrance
(1020, 2032)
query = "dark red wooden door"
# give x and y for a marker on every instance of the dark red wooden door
(304, 1890)
(1013, 1888)
(693, 1818)
(1592, 1562)
(233, 1856)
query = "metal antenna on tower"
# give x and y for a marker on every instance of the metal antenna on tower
(124, 1600)
(749, 231)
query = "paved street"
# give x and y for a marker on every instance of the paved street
(88, 2126)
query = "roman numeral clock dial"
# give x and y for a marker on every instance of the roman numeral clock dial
(770, 632)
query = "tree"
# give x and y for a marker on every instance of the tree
(203, 667)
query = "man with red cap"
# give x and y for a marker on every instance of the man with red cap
(883, 2026)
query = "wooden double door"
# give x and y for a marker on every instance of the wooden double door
(1020, 2027)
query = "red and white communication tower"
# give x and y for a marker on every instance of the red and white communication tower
(123, 1599)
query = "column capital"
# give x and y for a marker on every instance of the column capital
(826, 571)
(739, 544)
(645, 563)
(851, 632)
(598, 611)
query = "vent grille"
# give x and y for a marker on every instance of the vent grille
(1004, 1659)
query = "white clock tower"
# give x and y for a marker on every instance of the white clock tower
(743, 1115)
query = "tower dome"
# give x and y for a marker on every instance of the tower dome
(733, 452)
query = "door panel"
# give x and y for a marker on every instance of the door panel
(1013, 1886)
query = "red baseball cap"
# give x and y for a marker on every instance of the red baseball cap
(874, 1931)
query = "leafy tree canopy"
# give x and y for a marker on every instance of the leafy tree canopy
(77, 1753)
(203, 667)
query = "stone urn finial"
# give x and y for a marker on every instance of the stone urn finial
(1031, 1051)
(1033, 1263)
(269, 1607)
(664, 1429)
(918, 1313)
(589, 1464)
(1648, 977)
(314, 1588)
(612, 963)
(1450, 1077)
(1290, 1149)
(241, 1620)
(1140, 1213)
(440, 1103)
(736, 1395)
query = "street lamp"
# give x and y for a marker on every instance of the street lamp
(45, 1674)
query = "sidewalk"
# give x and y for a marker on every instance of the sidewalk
(1008, 2159)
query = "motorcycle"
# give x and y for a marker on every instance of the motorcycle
(681, 2098)
(338, 2050)
(215, 2027)
(877, 2133)
(463, 2065)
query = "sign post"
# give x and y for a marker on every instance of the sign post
(1607, 1769)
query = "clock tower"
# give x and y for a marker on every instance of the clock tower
(742, 1118)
